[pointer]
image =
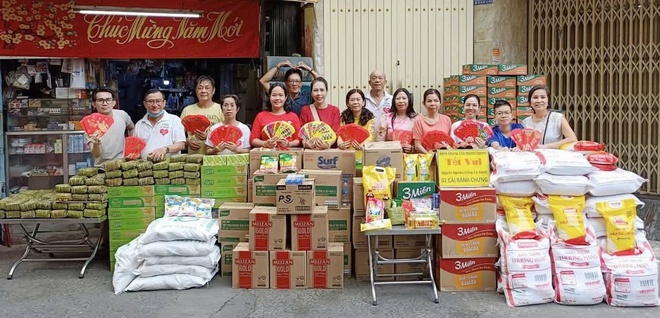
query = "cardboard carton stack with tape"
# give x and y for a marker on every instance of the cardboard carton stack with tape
(225, 178)
(491, 82)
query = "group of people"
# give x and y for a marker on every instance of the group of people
(375, 110)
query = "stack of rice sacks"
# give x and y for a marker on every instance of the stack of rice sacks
(627, 260)
(574, 251)
(524, 267)
(175, 252)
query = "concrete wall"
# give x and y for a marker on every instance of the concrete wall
(503, 25)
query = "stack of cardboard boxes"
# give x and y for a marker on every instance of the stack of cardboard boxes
(130, 210)
(303, 259)
(234, 228)
(466, 251)
(225, 178)
(490, 82)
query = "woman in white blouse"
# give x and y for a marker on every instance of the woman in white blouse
(555, 129)
(230, 106)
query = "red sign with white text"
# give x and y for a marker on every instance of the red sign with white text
(50, 28)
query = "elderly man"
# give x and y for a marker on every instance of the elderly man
(378, 100)
(293, 82)
(111, 144)
(163, 132)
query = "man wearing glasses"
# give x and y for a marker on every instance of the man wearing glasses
(163, 132)
(111, 145)
(293, 82)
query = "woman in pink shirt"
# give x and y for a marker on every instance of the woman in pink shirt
(320, 110)
(433, 120)
(400, 117)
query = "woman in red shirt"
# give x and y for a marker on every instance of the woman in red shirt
(277, 109)
(320, 110)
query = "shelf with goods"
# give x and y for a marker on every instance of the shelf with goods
(41, 159)
(46, 114)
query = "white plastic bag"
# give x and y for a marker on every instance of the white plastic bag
(563, 185)
(516, 166)
(181, 228)
(126, 261)
(176, 248)
(175, 281)
(526, 188)
(170, 269)
(565, 163)
(590, 207)
(614, 182)
(209, 261)
(541, 205)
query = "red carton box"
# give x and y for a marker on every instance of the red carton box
(469, 241)
(473, 274)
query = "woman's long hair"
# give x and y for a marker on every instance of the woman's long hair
(347, 115)
(410, 111)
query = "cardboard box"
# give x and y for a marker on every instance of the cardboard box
(331, 159)
(328, 185)
(472, 80)
(296, 198)
(325, 269)
(234, 222)
(384, 154)
(173, 189)
(501, 81)
(512, 69)
(480, 69)
(267, 230)
(358, 197)
(256, 153)
(524, 111)
(130, 224)
(474, 274)
(310, 231)
(501, 92)
(160, 212)
(469, 241)
(215, 172)
(531, 80)
(131, 191)
(224, 191)
(226, 264)
(250, 190)
(362, 264)
(522, 101)
(131, 213)
(123, 235)
(523, 90)
(468, 205)
(132, 202)
(228, 181)
(220, 201)
(288, 269)
(264, 187)
(250, 268)
(414, 189)
(348, 258)
(409, 241)
(480, 90)
(492, 100)
(339, 224)
(409, 268)
(360, 239)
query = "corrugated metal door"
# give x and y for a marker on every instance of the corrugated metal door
(415, 42)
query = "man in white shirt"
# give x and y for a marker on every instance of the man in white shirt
(163, 132)
(378, 100)
(111, 144)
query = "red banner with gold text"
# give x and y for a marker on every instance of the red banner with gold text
(50, 28)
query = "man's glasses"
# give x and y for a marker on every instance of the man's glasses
(502, 113)
(293, 82)
(154, 101)
(104, 100)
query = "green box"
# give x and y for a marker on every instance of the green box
(122, 235)
(224, 192)
(414, 189)
(175, 189)
(131, 191)
(224, 171)
(130, 224)
(160, 212)
(215, 160)
(524, 89)
(116, 244)
(238, 159)
(502, 92)
(131, 202)
(131, 213)
(230, 181)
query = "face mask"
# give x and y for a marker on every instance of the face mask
(155, 115)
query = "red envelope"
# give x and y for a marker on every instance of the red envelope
(133, 147)
(526, 138)
(96, 124)
(431, 138)
(193, 123)
(226, 133)
(466, 129)
(404, 136)
(352, 132)
(588, 145)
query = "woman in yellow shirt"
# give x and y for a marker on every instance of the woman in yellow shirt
(204, 89)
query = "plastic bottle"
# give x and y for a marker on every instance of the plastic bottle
(344, 191)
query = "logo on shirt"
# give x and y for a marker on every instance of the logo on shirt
(164, 131)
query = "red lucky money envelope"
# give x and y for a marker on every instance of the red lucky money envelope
(96, 124)
(133, 147)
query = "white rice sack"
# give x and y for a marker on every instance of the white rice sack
(614, 182)
(600, 228)
(126, 262)
(545, 219)
(516, 166)
(176, 248)
(174, 281)
(209, 261)
(171, 269)
(541, 205)
(563, 185)
(565, 163)
(526, 188)
(590, 207)
(181, 228)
